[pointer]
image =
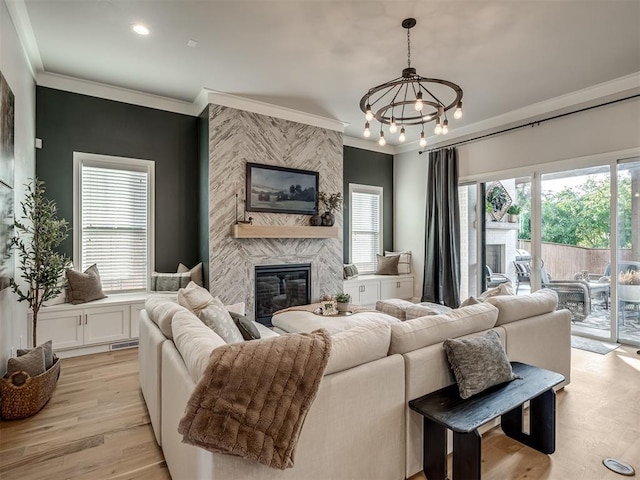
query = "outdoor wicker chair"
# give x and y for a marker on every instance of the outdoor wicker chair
(574, 295)
(523, 271)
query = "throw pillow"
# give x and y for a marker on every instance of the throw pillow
(248, 330)
(216, 317)
(236, 307)
(404, 264)
(197, 275)
(169, 282)
(48, 353)
(194, 298)
(470, 301)
(84, 287)
(387, 265)
(350, 271)
(502, 289)
(478, 362)
(32, 363)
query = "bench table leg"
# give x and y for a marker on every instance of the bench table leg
(467, 455)
(434, 450)
(542, 422)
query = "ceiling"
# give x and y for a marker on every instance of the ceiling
(321, 56)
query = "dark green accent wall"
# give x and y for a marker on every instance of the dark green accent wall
(68, 122)
(369, 168)
(203, 197)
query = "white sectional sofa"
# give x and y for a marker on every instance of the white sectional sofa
(359, 425)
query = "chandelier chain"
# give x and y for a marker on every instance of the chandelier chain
(408, 48)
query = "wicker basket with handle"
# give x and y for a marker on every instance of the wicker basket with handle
(28, 399)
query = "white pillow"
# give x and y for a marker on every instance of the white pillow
(236, 308)
(194, 298)
(217, 318)
(404, 264)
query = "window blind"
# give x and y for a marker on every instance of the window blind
(365, 230)
(114, 213)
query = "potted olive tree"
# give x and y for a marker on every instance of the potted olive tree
(38, 234)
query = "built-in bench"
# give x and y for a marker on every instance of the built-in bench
(445, 409)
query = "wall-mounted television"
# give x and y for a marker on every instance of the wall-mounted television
(281, 190)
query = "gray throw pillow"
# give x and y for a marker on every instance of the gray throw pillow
(248, 330)
(197, 274)
(216, 317)
(84, 287)
(478, 362)
(32, 363)
(387, 265)
(48, 353)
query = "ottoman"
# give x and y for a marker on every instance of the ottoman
(305, 322)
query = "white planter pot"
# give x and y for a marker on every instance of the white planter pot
(629, 293)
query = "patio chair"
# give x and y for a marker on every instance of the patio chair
(523, 271)
(494, 279)
(574, 295)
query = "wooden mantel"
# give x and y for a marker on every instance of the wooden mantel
(282, 231)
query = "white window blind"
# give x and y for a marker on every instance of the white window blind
(366, 226)
(114, 217)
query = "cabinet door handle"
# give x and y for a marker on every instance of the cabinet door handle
(85, 319)
(80, 321)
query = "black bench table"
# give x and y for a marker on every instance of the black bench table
(444, 409)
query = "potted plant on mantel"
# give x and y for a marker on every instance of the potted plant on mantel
(38, 235)
(331, 202)
(513, 211)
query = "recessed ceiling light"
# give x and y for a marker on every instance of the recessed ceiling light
(192, 43)
(140, 29)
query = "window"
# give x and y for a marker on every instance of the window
(113, 224)
(365, 225)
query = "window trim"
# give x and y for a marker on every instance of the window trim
(124, 163)
(370, 189)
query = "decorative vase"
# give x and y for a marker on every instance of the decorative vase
(316, 220)
(328, 219)
(513, 218)
(342, 306)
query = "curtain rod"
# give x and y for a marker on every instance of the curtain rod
(530, 124)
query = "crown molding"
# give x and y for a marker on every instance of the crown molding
(263, 108)
(109, 92)
(22, 23)
(370, 145)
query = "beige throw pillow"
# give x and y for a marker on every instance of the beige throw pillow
(194, 298)
(404, 263)
(32, 363)
(216, 317)
(387, 265)
(196, 272)
(84, 287)
(48, 353)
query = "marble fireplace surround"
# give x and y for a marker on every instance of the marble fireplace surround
(235, 138)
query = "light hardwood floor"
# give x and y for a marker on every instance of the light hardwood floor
(96, 426)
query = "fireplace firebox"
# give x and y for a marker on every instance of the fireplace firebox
(280, 286)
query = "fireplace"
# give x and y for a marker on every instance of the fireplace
(495, 258)
(280, 286)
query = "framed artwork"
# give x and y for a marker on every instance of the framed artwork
(497, 201)
(329, 308)
(7, 113)
(281, 190)
(6, 233)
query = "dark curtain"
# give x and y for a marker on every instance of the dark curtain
(442, 230)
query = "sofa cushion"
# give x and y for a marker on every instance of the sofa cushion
(425, 308)
(478, 362)
(358, 345)
(395, 307)
(194, 298)
(424, 331)
(195, 342)
(217, 318)
(516, 307)
(161, 309)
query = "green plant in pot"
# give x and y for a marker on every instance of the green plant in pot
(513, 211)
(330, 202)
(38, 234)
(342, 301)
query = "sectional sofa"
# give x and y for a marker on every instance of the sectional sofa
(359, 425)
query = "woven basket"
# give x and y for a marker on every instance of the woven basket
(29, 398)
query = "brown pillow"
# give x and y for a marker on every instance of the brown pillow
(197, 276)
(387, 265)
(478, 362)
(32, 363)
(48, 353)
(84, 287)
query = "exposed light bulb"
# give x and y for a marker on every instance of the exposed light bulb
(419, 105)
(458, 113)
(367, 132)
(382, 142)
(393, 128)
(369, 114)
(140, 29)
(438, 129)
(423, 141)
(401, 137)
(445, 127)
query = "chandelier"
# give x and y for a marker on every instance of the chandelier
(411, 100)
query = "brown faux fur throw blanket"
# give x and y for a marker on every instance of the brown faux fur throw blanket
(254, 396)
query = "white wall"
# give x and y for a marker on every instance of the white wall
(606, 129)
(14, 67)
